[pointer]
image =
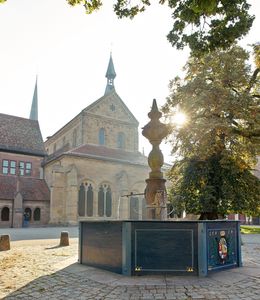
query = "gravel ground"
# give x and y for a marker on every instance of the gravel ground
(28, 260)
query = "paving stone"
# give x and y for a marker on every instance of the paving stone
(68, 280)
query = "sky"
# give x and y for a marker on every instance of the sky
(69, 51)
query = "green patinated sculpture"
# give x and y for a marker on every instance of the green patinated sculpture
(155, 193)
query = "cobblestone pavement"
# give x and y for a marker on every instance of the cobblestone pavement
(50, 272)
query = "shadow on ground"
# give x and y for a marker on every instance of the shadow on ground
(82, 282)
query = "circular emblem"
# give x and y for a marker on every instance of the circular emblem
(222, 248)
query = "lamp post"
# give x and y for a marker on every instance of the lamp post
(155, 192)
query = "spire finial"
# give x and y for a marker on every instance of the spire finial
(34, 107)
(110, 75)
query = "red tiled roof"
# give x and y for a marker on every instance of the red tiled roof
(20, 135)
(102, 152)
(30, 188)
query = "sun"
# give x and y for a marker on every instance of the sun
(179, 119)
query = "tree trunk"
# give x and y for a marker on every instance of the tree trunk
(208, 216)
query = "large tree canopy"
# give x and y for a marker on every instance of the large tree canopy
(203, 25)
(218, 146)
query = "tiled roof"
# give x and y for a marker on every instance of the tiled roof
(30, 188)
(20, 135)
(109, 153)
(104, 153)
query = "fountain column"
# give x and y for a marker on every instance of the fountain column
(155, 192)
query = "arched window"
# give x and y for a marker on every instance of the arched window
(37, 214)
(27, 214)
(101, 136)
(121, 140)
(108, 202)
(104, 201)
(5, 214)
(85, 203)
(101, 204)
(89, 200)
(81, 203)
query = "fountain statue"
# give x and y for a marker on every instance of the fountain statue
(155, 192)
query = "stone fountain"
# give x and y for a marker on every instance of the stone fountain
(158, 245)
(155, 192)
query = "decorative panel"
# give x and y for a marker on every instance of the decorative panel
(164, 250)
(222, 248)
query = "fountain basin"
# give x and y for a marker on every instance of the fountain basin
(131, 247)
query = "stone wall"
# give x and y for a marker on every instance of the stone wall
(16, 216)
(64, 179)
(112, 130)
(70, 134)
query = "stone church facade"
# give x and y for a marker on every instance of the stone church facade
(93, 162)
(89, 169)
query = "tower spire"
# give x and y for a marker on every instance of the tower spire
(110, 75)
(34, 107)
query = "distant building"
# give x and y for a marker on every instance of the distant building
(93, 161)
(24, 194)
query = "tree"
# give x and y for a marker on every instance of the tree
(217, 148)
(203, 25)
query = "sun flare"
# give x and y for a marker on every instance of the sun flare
(179, 119)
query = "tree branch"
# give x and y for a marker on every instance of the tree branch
(253, 79)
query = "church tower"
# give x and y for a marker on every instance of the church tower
(34, 107)
(110, 75)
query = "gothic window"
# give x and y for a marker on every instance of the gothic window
(5, 214)
(85, 203)
(101, 136)
(121, 140)
(89, 200)
(134, 208)
(101, 197)
(37, 214)
(63, 141)
(108, 202)
(54, 147)
(104, 201)
(81, 202)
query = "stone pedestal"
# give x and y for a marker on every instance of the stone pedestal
(155, 195)
(4, 242)
(64, 238)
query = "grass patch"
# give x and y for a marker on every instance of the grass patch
(249, 229)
